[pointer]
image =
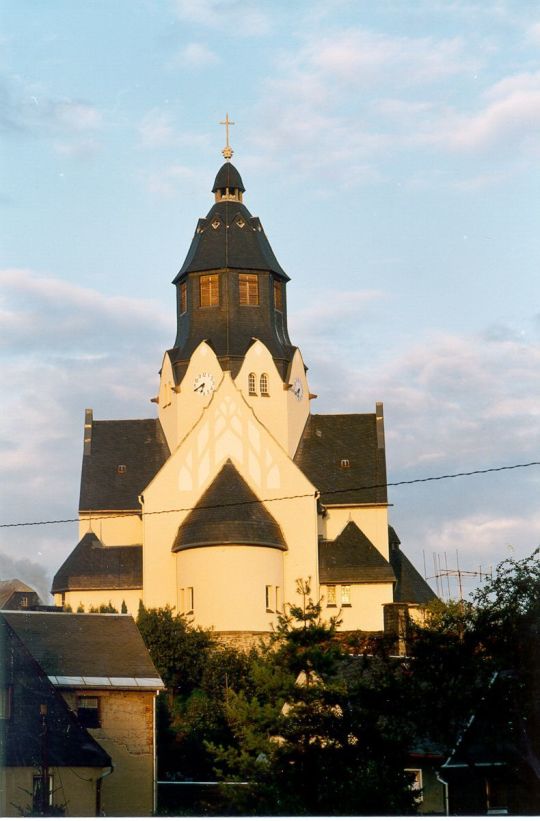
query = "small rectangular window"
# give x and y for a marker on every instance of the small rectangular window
(268, 597)
(331, 600)
(41, 785)
(5, 702)
(88, 711)
(190, 600)
(183, 297)
(416, 783)
(278, 295)
(248, 288)
(209, 290)
(278, 599)
(346, 595)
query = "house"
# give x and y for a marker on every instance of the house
(494, 769)
(16, 595)
(49, 760)
(237, 489)
(99, 666)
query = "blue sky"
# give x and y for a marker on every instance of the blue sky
(391, 151)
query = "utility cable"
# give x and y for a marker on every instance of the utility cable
(315, 495)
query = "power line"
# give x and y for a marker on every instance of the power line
(285, 498)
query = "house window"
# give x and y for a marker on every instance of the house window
(248, 287)
(268, 598)
(88, 711)
(278, 295)
(41, 785)
(190, 600)
(24, 601)
(278, 599)
(5, 702)
(416, 783)
(345, 595)
(331, 600)
(183, 297)
(264, 384)
(209, 290)
(252, 384)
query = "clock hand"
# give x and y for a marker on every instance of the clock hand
(200, 387)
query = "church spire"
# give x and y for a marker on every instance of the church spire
(231, 269)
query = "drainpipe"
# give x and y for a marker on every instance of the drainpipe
(98, 788)
(445, 790)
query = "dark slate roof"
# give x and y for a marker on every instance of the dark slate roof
(228, 177)
(11, 586)
(329, 438)
(229, 512)
(352, 558)
(238, 242)
(84, 644)
(410, 586)
(92, 566)
(139, 444)
(69, 744)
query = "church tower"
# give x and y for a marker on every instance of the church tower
(236, 490)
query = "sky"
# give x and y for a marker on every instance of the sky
(392, 153)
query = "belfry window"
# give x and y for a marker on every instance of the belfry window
(248, 288)
(278, 295)
(264, 384)
(209, 290)
(252, 385)
(183, 297)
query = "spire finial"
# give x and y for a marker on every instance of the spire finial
(227, 151)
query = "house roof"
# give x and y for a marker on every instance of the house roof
(69, 744)
(352, 558)
(327, 440)
(86, 646)
(410, 586)
(11, 586)
(229, 512)
(92, 566)
(139, 445)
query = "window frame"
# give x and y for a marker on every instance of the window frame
(248, 290)
(183, 298)
(252, 384)
(346, 595)
(278, 295)
(211, 299)
(263, 385)
(89, 716)
(333, 602)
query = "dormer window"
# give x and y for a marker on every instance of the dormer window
(345, 463)
(209, 290)
(248, 289)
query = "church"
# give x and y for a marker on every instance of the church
(235, 490)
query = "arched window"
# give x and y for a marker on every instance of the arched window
(252, 385)
(264, 384)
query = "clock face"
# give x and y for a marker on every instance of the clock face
(204, 384)
(297, 389)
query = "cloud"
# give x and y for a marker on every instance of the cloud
(234, 16)
(196, 55)
(156, 129)
(170, 180)
(29, 572)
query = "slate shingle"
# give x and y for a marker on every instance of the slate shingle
(92, 566)
(329, 438)
(352, 558)
(139, 444)
(410, 586)
(229, 513)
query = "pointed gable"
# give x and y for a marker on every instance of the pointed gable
(229, 512)
(352, 558)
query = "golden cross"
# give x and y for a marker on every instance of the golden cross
(227, 151)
